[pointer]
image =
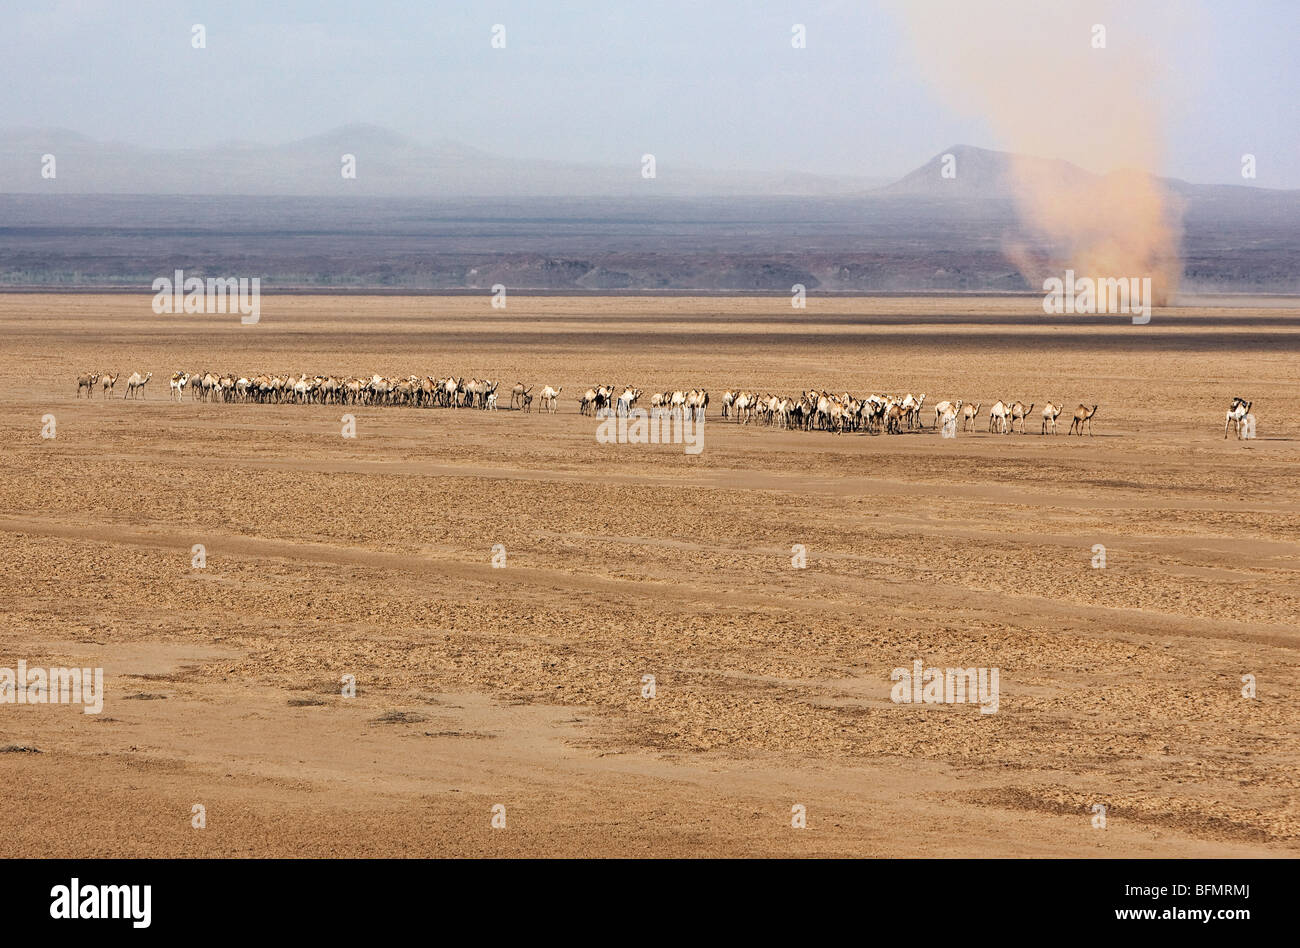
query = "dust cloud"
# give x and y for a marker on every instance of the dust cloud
(1034, 73)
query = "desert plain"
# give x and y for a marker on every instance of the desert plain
(524, 685)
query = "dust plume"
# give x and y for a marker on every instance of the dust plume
(1031, 70)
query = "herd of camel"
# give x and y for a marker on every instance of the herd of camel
(325, 389)
(826, 411)
(134, 385)
(892, 414)
(813, 410)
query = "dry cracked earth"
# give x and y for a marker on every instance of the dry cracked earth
(371, 557)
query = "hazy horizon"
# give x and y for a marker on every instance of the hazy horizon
(720, 88)
(366, 133)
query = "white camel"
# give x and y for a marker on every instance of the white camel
(998, 418)
(136, 383)
(1051, 411)
(943, 408)
(1236, 414)
(178, 383)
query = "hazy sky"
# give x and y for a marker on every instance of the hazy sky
(714, 83)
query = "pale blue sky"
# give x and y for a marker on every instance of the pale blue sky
(715, 84)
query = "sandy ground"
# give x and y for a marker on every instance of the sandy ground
(522, 686)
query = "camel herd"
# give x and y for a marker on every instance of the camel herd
(325, 389)
(134, 385)
(813, 410)
(600, 400)
(891, 414)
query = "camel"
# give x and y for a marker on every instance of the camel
(108, 381)
(909, 405)
(894, 416)
(836, 420)
(330, 389)
(1019, 411)
(998, 417)
(526, 403)
(208, 386)
(400, 392)
(602, 400)
(550, 396)
(744, 404)
(476, 391)
(784, 412)
(87, 382)
(912, 409)
(627, 401)
(873, 412)
(943, 408)
(518, 392)
(852, 411)
(1082, 416)
(969, 414)
(1050, 413)
(178, 383)
(596, 401)
(798, 412)
(821, 410)
(1239, 410)
(136, 383)
(948, 423)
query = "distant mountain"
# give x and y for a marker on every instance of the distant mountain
(974, 173)
(446, 216)
(387, 165)
(984, 173)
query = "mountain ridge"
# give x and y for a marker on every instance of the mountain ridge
(391, 164)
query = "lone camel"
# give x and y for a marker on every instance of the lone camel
(1083, 416)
